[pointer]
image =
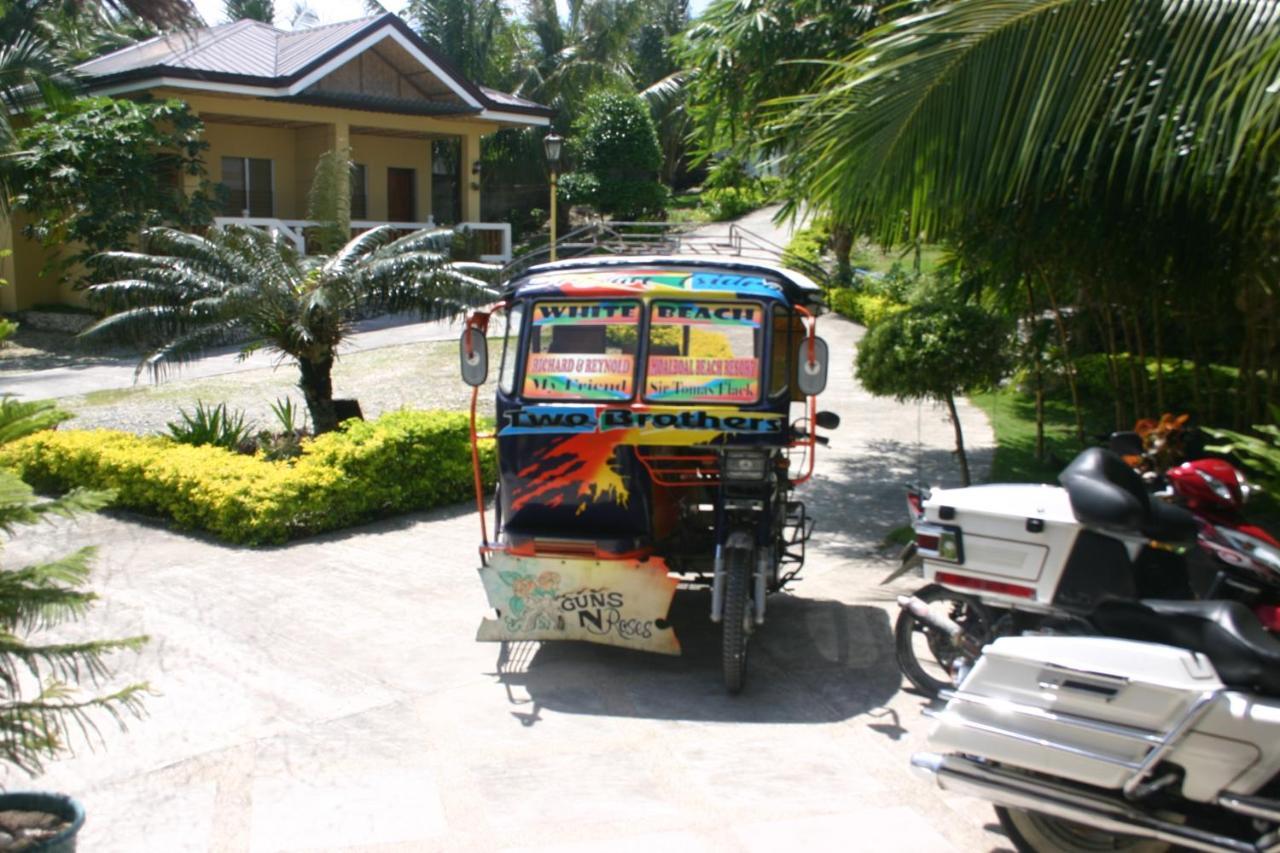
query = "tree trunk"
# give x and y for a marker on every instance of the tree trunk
(317, 388)
(955, 422)
(1069, 364)
(1107, 332)
(1039, 369)
(1134, 397)
(1158, 342)
(842, 249)
(1144, 380)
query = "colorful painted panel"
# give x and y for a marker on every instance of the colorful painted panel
(703, 380)
(603, 312)
(577, 467)
(612, 602)
(704, 352)
(579, 376)
(582, 350)
(644, 281)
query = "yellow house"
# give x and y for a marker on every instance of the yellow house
(273, 101)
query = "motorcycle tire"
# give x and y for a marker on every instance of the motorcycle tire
(737, 617)
(975, 618)
(1033, 832)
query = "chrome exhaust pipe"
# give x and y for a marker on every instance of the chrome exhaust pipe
(940, 622)
(1017, 791)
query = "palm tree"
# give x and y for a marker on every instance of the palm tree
(35, 727)
(982, 103)
(740, 56)
(192, 292)
(588, 50)
(253, 10)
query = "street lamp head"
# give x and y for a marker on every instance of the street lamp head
(551, 144)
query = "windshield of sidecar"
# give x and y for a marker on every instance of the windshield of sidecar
(703, 351)
(660, 335)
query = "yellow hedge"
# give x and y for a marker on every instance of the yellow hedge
(869, 309)
(404, 461)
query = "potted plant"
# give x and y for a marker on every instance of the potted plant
(41, 708)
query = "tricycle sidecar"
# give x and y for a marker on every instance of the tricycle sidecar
(645, 437)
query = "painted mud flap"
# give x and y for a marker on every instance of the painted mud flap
(613, 602)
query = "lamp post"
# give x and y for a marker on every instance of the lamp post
(551, 145)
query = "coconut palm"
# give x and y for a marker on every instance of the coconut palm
(982, 103)
(588, 50)
(191, 292)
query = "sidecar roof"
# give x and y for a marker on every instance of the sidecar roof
(640, 275)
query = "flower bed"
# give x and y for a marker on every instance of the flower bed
(402, 462)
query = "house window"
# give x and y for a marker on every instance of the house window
(359, 191)
(249, 186)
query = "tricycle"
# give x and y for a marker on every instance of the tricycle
(645, 442)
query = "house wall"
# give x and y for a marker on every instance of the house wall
(470, 130)
(294, 151)
(277, 144)
(22, 270)
(309, 144)
(379, 153)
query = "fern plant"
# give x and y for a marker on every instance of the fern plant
(41, 709)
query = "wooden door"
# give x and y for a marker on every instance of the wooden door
(401, 191)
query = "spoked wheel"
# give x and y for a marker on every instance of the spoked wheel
(928, 657)
(737, 619)
(1032, 832)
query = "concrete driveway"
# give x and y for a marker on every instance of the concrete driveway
(329, 695)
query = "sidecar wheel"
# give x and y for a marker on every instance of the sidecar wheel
(926, 656)
(1032, 832)
(736, 622)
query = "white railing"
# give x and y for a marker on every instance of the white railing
(294, 230)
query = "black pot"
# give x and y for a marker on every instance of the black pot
(56, 804)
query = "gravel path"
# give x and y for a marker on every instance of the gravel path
(416, 376)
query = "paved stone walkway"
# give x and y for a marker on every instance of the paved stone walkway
(328, 695)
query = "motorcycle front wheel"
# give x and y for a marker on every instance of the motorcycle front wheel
(926, 656)
(1032, 832)
(738, 618)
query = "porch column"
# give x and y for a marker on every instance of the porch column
(342, 142)
(8, 268)
(470, 181)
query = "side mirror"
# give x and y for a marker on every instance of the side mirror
(811, 376)
(474, 351)
(827, 420)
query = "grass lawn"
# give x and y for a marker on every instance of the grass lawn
(1013, 419)
(878, 259)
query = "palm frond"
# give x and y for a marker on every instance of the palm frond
(987, 102)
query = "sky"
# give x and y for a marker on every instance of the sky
(332, 11)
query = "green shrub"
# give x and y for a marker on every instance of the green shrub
(732, 202)
(808, 244)
(1093, 378)
(869, 309)
(402, 462)
(618, 159)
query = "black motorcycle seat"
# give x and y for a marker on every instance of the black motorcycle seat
(1107, 493)
(1226, 632)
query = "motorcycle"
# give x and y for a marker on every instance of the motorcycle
(1215, 491)
(1000, 559)
(1162, 733)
